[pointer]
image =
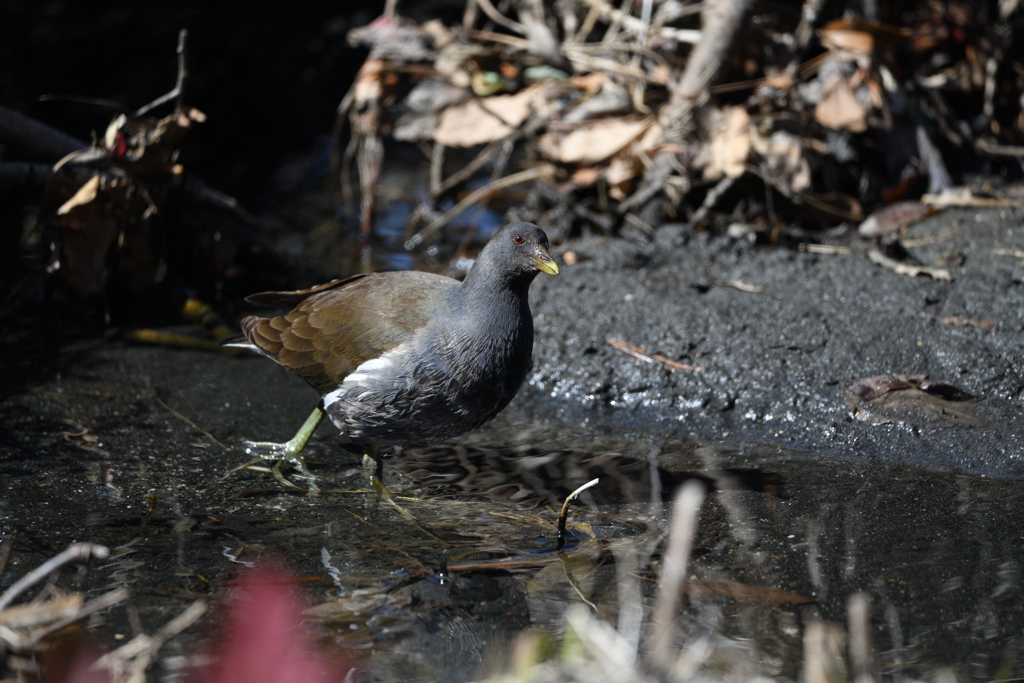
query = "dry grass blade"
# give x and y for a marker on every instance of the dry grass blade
(76, 552)
(141, 650)
(685, 515)
(864, 668)
(565, 511)
(99, 604)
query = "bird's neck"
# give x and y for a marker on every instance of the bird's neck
(504, 304)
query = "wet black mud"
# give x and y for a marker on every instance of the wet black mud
(776, 361)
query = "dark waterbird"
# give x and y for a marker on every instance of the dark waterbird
(405, 358)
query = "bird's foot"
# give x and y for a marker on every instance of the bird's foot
(279, 459)
(287, 451)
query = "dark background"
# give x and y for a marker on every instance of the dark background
(268, 75)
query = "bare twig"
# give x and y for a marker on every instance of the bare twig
(76, 552)
(179, 88)
(498, 18)
(105, 601)
(710, 199)
(142, 649)
(603, 9)
(721, 22)
(876, 256)
(436, 169)
(542, 171)
(639, 354)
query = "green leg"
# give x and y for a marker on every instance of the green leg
(292, 446)
(289, 450)
(373, 468)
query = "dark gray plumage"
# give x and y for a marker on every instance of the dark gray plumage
(404, 358)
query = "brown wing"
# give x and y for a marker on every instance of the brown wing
(291, 299)
(337, 326)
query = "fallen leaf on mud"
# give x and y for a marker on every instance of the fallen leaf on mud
(913, 399)
(894, 217)
(767, 596)
(591, 143)
(838, 107)
(482, 120)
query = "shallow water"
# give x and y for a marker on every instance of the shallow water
(105, 442)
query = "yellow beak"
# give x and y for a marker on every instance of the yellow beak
(542, 259)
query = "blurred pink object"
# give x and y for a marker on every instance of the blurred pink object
(263, 639)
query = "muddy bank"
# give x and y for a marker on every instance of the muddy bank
(776, 361)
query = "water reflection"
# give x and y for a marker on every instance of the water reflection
(785, 538)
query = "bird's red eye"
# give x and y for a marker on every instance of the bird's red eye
(518, 239)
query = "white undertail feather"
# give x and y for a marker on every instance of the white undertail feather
(365, 373)
(249, 346)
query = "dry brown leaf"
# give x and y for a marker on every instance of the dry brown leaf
(784, 152)
(589, 83)
(652, 138)
(483, 120)
(86, 193)
(592, 143)
(838, 107)
(619, 176)
(585, 176)
(859, 36)
(730, 144)
(368, 87)
(782, 81)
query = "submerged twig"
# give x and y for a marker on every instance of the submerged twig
(565, 512)
(187, 421)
